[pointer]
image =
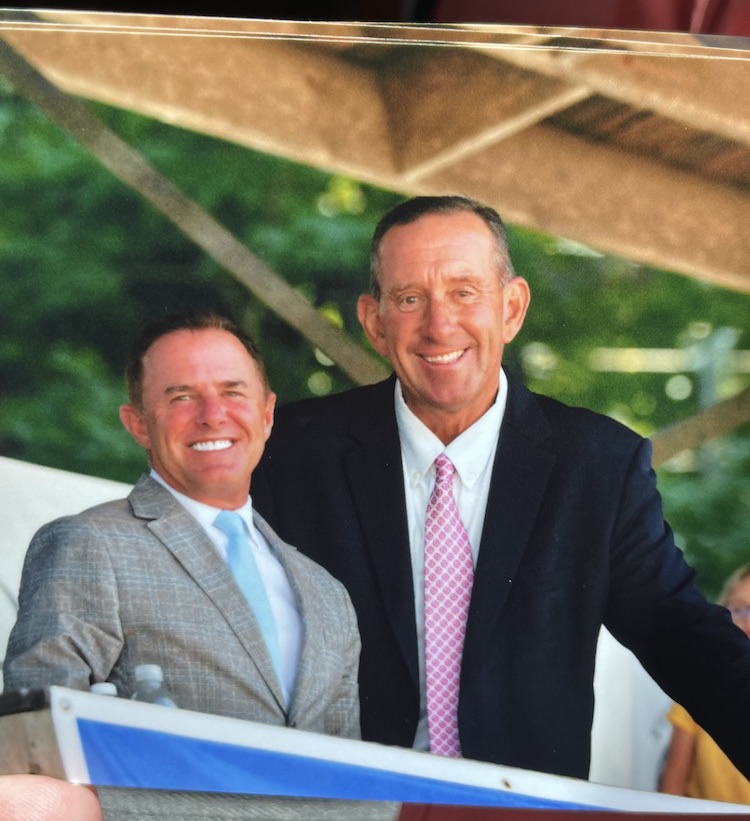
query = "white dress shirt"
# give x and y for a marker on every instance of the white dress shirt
(472, 454)
(278, 589)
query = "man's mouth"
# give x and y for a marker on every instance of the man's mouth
(216, 444)
(444, 358)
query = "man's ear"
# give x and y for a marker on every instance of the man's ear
(132, 419)
(516, 298)
(268, 412)
(368, 313)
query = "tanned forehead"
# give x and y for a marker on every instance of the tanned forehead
(448, 274)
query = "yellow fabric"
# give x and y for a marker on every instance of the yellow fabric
(713, 775)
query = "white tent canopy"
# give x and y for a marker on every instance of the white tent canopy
(31, 496)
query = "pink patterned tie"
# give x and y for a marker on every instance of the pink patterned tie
(448, 577)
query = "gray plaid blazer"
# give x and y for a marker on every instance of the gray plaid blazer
(138, 581)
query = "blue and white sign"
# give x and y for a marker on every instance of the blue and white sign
(115, 742)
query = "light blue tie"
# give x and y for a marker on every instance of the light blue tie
(245, 570)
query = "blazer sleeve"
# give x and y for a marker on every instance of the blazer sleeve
(689, 646)
(68, 630)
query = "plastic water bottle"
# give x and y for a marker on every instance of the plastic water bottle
(104, 688)
(149, 686)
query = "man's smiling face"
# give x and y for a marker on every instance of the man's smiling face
(444, 317)
(206, 415)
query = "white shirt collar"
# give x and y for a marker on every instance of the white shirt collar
(470, 452)
(203, 513)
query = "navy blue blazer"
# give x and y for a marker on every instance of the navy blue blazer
(573, 538)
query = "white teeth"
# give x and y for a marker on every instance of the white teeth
(446, 357)
(219, 444)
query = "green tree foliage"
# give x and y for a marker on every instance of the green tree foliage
(709, 508)
(83, 261)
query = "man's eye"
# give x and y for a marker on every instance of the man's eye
(409, 302)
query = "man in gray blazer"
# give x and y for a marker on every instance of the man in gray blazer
(144, 579)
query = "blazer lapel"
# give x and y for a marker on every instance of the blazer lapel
(375, 473)
(519, 477)
(313, 635)
(191, 547)
(522, 467)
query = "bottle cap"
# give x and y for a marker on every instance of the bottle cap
(145, 672)
(104, 688)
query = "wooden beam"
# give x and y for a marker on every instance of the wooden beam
(444, 106)
(697, 88)
(438, 117)
(28, 744)
(630, 206)
(272, 94)
(711, 423)
(131, 168)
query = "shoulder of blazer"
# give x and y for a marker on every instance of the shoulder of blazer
(147, 500)
(561, 427)
(361, 413)
(337, 405)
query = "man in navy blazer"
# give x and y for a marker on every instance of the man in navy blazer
(560, 503)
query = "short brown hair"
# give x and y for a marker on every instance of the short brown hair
(190, 321)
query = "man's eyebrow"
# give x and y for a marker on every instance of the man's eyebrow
(227, 383)
(176, 389)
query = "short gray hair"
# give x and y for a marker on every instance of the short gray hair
(412, 209)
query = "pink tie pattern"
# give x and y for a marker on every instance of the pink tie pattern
(449, 575)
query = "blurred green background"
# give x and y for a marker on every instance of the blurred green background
(83, 261)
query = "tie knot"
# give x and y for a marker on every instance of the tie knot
(230, 523)
(444, 469)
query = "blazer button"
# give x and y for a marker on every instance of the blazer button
(291, 724)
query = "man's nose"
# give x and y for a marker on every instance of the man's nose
(438, 315)
(212, 410)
